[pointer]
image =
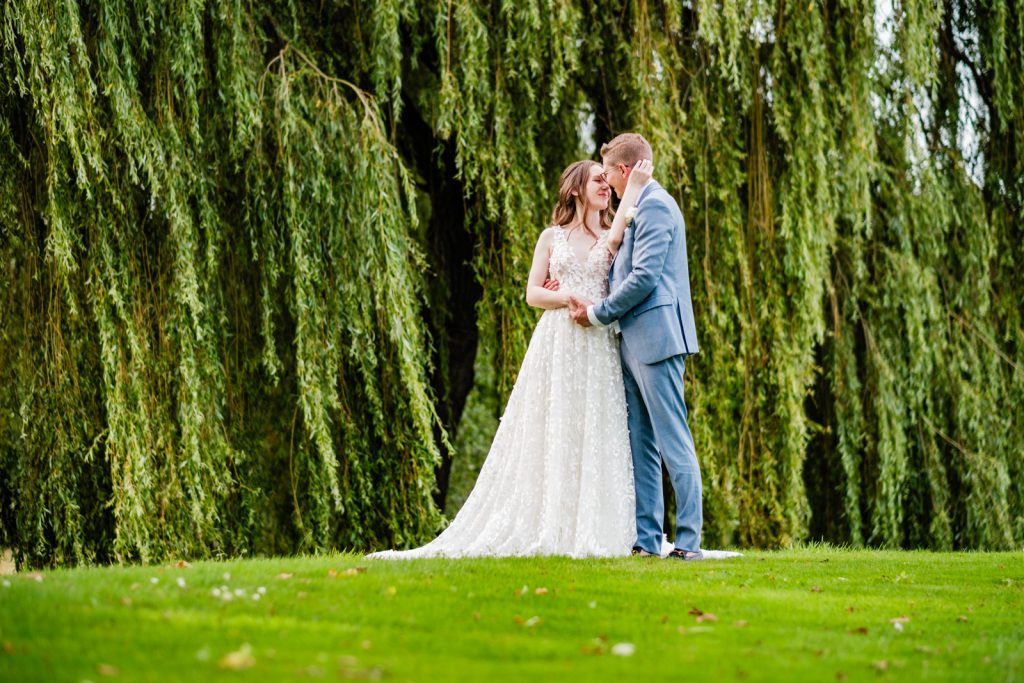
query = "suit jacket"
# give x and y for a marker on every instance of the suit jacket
(649, 282)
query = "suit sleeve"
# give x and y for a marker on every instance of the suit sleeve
(654, 229)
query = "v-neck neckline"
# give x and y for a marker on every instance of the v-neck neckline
(568, 245)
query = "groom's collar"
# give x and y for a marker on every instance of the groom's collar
(646, 189)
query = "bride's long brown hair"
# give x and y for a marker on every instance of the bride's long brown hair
(572, 195)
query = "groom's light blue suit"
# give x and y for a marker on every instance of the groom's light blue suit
(649, 284)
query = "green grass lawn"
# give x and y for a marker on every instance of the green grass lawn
(814, 614)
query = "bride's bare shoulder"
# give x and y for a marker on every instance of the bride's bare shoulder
(548, 234)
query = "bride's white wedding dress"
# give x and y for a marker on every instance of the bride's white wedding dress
(558, 479)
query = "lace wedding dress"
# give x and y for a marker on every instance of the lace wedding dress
(558, 479)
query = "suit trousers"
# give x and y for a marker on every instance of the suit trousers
(658, 429)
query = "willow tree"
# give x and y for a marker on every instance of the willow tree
(249, 253)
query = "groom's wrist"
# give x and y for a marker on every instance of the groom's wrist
(592, 317)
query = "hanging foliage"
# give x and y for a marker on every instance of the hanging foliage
(248, 253)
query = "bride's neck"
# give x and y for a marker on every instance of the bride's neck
(592, 221)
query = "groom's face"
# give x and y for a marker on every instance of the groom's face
(617, 175)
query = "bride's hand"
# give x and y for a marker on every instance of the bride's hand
(641, 173)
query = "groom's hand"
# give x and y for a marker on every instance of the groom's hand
(578, 310)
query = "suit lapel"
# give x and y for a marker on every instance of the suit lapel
(643, 195)
(651, 186)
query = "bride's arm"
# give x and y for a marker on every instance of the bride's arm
(639, 176)
(536, 294)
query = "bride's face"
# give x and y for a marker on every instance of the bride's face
(598, 192)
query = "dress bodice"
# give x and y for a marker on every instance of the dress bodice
(586, 278)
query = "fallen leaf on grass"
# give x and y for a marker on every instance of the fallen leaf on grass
(902, 619)
(126, 601)
(815, 589)
(541, 591)
(106, 670)
(739, 623)
(239, 659)
(881, 664)
(851, 609)
(182, 564)
(707, 616)
(284, 576)
(860, 631)
(962, 617)
(840, 676)
(664, 618)
(695, 612)
(332, 572)
(8, 647)
(352, 571)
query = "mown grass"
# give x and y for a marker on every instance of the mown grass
(813, 614)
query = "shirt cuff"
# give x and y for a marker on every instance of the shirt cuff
(593, 318)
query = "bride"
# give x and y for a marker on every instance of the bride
(558, 479)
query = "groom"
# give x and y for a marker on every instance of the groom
(649, 283)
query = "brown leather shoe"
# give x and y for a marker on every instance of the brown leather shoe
(640, 552)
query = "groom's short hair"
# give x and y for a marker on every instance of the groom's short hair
(627, 148)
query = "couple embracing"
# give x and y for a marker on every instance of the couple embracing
(575, 467)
